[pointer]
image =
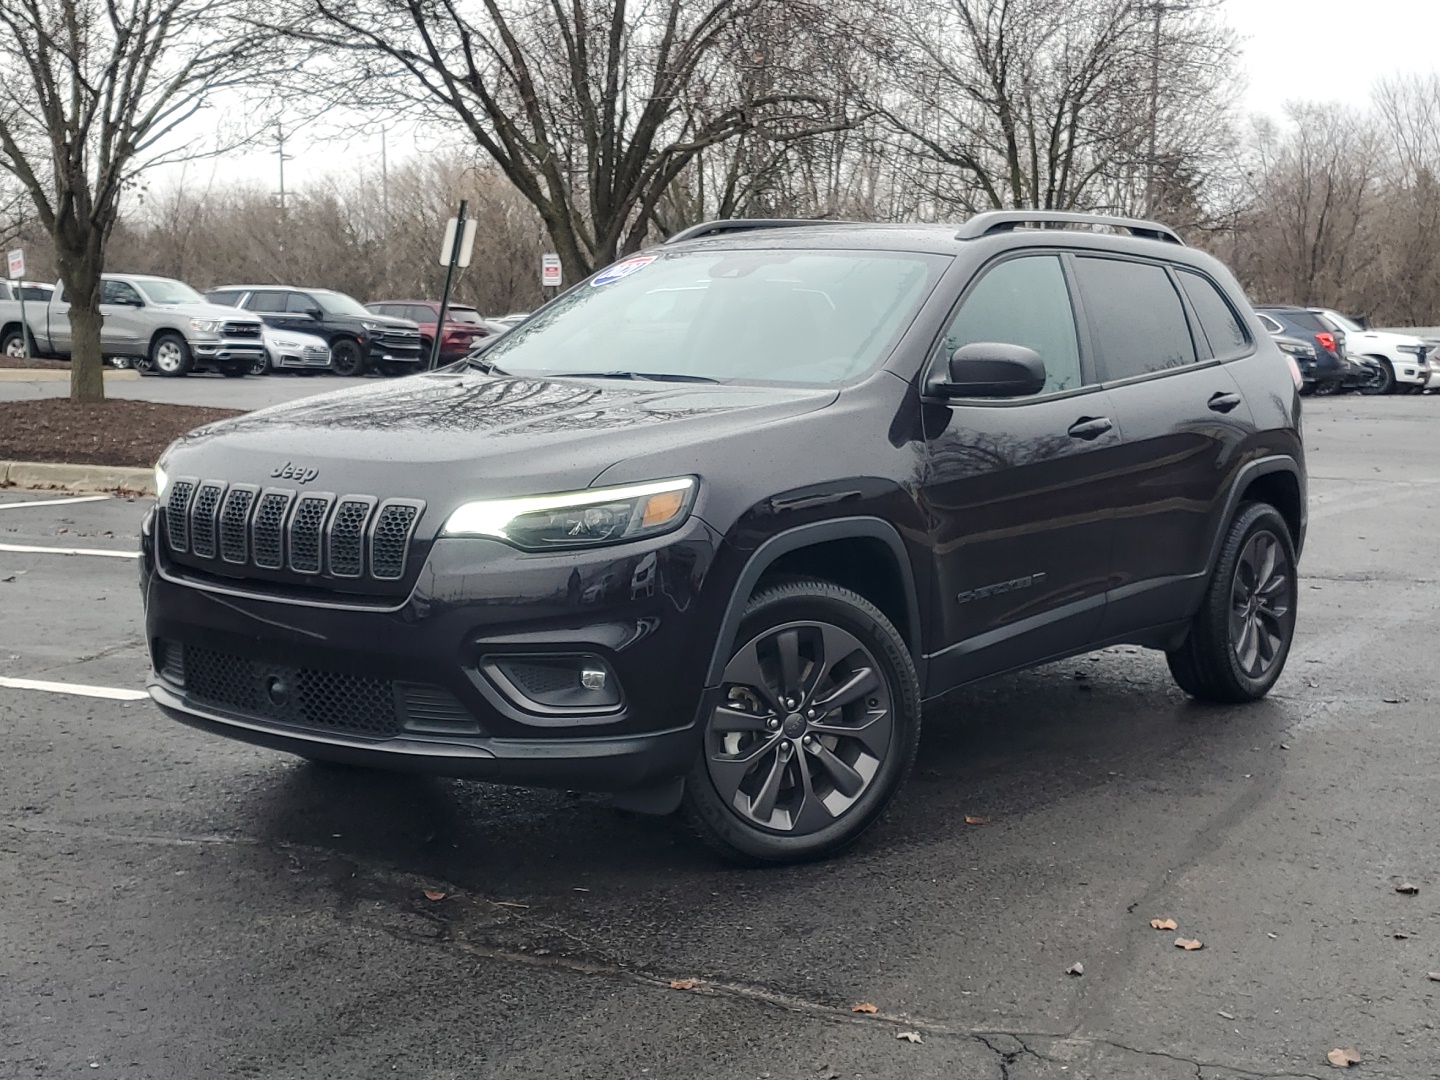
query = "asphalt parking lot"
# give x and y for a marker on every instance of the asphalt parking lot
(174, 905)
(212, 391)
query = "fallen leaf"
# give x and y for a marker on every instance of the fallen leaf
(684, 984)
(1434, 976)
(1407, 889)
(1270, 935)
(579, 888)
(1391, 700)
(1401, 935)
(1227, 1016)
(1075, 969)
(909, 1036)
(971, 819)
(1189, 944)
(434, 894)
(1343, 1059)
(863, 1006)
(1164, 924)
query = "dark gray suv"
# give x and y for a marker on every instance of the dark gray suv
(712, 528)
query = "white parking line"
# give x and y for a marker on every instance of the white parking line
(114, 693)
(55, 502)
(69, 551)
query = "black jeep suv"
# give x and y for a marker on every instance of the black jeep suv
(359, 340)
(712, 528)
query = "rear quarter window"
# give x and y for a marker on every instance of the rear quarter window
(1218, 322)
(1137, 322)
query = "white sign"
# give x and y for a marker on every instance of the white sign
(550, 275)
(467, 243)
(17, 263)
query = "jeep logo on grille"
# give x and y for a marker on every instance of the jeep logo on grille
(298, 473)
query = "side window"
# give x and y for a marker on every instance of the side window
(1270, 324)
(224, 299)
(1218, 321)
(1025, 302)
(299, 304)
(118, 292)
(418, 313)
(267, 301)
(1136, 317)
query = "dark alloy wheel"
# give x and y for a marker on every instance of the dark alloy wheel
(817, 726)
(346, 358)
(261, 364)
(1383, 381)
(1239, 641)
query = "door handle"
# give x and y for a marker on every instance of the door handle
(1222, 402)
(1090, 427)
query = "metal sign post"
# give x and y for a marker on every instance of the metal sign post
(16, 267)
(454, 251)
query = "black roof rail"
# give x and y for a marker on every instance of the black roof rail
(729, 225)
(998, 221)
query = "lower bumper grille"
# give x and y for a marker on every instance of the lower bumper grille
(310, 698)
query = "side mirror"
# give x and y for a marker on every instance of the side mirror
(315, 313)
(992, 369)
(135, 301)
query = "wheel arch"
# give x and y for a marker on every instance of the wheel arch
(162, 331)
(1274, 480)
(865, 554)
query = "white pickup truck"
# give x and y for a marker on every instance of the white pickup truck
(160, 325)
(1401, 357)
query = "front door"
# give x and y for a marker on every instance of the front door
(122, 333)
(1021, 491)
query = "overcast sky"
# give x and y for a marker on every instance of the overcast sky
(1330, 50)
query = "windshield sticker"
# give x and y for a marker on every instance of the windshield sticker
(612, 274)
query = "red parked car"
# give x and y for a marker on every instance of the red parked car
(464, 326)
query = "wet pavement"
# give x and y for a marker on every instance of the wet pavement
(174, 905)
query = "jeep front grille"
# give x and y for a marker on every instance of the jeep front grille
(306, 533)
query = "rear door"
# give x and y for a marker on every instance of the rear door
(1184, 423)
(1021, 491)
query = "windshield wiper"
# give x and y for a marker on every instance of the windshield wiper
(477, 360)
(646, 376)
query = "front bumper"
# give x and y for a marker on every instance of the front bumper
(635, 607)
(248, 351)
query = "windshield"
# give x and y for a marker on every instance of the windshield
(165, 291)
(1345, 324)
(771, 316)
(336, 303)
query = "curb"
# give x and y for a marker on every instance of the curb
(60, 375)
(50, 475)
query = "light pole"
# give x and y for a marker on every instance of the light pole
(280, 151)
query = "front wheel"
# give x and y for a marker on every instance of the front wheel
(1240, 638)
(261, 364)
(346, 358)
(1383, 379)
(170, 355)
(816, 728)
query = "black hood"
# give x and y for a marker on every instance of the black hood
(454, 435)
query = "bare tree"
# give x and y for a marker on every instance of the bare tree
(590, 109)
(95, 92)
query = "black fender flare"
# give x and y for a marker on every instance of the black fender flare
(802, 536)
(1247, 475)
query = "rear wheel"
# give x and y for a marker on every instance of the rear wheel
(1240, 638)
(818, 725)
(170, 355)
(14, 345)
(346, 358)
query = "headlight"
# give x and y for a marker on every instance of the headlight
(162, 481)
(578, 518)
(209, 326)
(371, 326)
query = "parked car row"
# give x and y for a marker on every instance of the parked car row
(161, 326)
(1336, 353)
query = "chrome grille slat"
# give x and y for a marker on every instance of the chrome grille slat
(267, 529)
(177, 514)
(235, 524)
(346, 535)
(390, 538)
(307, 526)
(203, 510)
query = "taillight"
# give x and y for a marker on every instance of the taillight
(1326, 340)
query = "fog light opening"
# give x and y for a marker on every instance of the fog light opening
(550, 683)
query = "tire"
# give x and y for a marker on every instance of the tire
(346, 357)
(1238, 611)
(122, 363)
(14, 345)
(170, 355)
(745, 796)
(1385, 383)
(261, 365)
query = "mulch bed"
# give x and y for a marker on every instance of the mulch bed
(33, 362)
(112, 432)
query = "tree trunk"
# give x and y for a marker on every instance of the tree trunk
(87, 367)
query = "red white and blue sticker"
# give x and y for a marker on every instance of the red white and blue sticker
(612, 274)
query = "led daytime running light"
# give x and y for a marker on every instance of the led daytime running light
(491, 517)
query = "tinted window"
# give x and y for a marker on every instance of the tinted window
(299, 304)
(267, 301)
(1023, 302)
(1221, 326)
(421, 313)
(225, 298)
(1135, 314)
(118, 292)
(1270, 324)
